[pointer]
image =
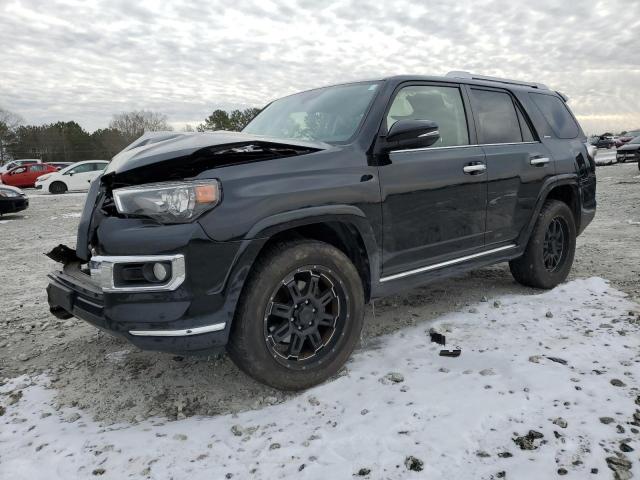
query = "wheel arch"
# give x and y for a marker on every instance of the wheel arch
(345, 227)
(564, 188)
(50, 184)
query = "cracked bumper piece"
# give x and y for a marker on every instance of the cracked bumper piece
(173, 317)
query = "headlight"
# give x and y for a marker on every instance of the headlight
(169, 202)
(42, 178)
(8, 193)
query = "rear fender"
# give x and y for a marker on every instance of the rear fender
(551, 183)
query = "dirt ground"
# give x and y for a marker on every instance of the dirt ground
(114, 381)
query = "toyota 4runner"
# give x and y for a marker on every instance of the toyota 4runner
(270, 241)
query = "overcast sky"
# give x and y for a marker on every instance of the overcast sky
(85, 60)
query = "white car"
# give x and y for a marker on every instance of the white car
(76, 177)
(18, 163)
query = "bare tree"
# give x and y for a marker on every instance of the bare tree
(134, 124)
(9, 123)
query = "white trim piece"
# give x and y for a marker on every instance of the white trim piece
(101, 268)
(428, 268)
(216, 327)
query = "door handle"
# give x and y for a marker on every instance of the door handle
(539, 161)
(474, 169)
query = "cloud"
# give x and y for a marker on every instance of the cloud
(65, 59)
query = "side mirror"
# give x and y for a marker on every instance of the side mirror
(412, 134)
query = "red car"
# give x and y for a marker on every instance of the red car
(25, 176)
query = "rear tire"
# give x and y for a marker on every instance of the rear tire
(57, 188)
(547, 260)
(299, 317)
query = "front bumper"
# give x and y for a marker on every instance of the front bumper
(193, 315)
(628, 156)
(164, 322)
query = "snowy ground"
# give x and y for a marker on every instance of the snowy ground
(563, 364)
(106, 380)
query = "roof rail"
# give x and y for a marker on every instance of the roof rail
(473, 76)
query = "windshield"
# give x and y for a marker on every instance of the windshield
(331, 114)
(635, 140)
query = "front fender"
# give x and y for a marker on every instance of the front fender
(258, 236)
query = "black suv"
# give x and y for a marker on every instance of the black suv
(270, 241)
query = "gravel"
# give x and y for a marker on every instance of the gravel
(113, 381)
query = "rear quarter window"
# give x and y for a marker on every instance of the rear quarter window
(557, 115)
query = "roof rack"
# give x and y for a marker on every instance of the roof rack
(473, 76)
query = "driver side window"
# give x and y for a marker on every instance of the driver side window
(442, 105)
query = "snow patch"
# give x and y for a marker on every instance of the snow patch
(542, 363)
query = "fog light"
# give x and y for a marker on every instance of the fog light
(161, 271)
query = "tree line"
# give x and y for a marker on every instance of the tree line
(69, 142)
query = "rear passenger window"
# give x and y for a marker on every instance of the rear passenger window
(442, 105)
(497, 117)
(557, 114)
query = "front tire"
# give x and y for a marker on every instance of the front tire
(299, 317)
(57, 188)
(547, 260)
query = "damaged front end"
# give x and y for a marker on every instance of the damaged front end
(144, 267)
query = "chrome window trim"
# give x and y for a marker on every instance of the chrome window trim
(101, 267)
(423, 149)
(216, 327)
(445, 264)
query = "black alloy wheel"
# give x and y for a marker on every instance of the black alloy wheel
(548, 256)
(554, 246)
(300, 315)
(304, 314)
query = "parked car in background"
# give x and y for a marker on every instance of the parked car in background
(18, 163)
(629, 152)
(602, 141)
(60, 165)
(26, 175)
(75, 177)
(627, 137)
(12, 199)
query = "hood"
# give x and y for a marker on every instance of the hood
(629, 146)
(222, 148)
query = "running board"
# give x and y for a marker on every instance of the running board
(455, 261)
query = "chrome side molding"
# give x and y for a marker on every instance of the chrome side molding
(446, 264)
